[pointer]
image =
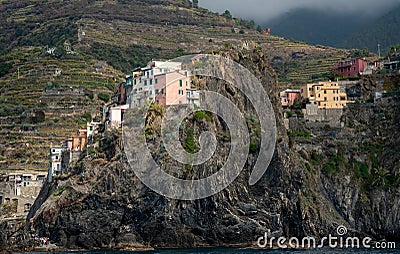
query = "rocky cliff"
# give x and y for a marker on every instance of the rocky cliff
(102, 204)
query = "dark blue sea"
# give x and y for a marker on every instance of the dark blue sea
(243, 251)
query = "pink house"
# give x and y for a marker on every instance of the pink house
(289, 96)
(351, 67)
(170, 88)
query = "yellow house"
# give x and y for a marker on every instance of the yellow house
(325, 95)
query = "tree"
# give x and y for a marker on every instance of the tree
(195, 3)
(227, 14)
(259, 29)
(333, 75)
(5, 68)
(252, 24)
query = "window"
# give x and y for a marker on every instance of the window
(156, 91)
(156, 81)
(56, 157)
(354, 68)
(180, 83)
(324, 91)
(319, 95)
(151, 81)
(162, 91)
(186, 73)
(187, 83)
(325, 99)
(310, 89)
(145, 82)
(318, 88)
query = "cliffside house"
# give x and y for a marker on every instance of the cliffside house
(289, 96)
(351, 67)
(59, 161)
(148, 83)
(326, 95)
(79, 140)
(117, 115)
(193, 96)
(392, 64)
(171, 88)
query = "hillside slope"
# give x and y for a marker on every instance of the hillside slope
(384, 31)
(343, 30)
(109, 39)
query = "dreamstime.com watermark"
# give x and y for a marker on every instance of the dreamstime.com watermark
(217, 67)
(339, 240)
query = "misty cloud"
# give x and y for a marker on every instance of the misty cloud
(264, 10)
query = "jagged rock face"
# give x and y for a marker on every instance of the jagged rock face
(110, 207)
(104, 205)
(369, 204)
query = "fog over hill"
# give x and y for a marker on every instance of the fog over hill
(264, 11)
(348, 24)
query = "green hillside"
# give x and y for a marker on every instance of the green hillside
(45, 97)
(384, 31)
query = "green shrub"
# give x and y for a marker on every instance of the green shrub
(87, 117)
(104, 97)
(190, 144)
(200, 115)
(298, 133)
(254, 146)
(5, 68)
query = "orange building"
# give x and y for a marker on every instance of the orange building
(79, 140)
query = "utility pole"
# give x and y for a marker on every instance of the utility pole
(379, 50)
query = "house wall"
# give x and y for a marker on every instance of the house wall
(115, 116)
(177, 83)
(325, 95)
(351, 67)
(160, 89)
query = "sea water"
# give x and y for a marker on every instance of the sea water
(243, 251)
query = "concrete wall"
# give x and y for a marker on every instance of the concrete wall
(19, 205)
(331, 116)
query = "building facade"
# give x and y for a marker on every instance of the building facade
(193, 96)
(159, 79)
(59, 161)
(171, 88)
(351, 67)
(326, 95)
(289, 96)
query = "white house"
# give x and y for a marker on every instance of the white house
(117, 115)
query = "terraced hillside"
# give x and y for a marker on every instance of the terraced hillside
(44, 100)
(46, 97)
